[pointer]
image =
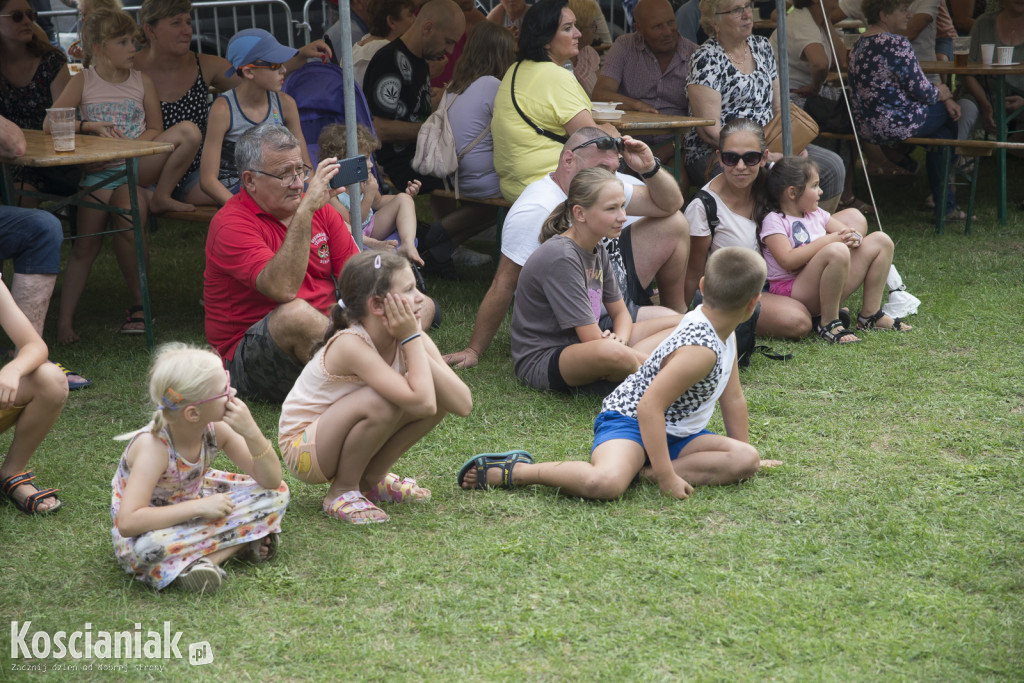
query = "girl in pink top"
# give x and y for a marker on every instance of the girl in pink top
(820, 259)
(374, 387)
(115, 101)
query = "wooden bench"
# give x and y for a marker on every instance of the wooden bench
(971, 148)
(500, 203)
(202, 214)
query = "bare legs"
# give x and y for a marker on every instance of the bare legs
(707, 460)
(43, 393)
(166, 170)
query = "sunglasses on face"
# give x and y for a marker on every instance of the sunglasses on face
(604, 144)
(260, 64)
(17, 16)
(733, 158)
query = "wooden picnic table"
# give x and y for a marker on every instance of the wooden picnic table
(642, 123)
(90, 149)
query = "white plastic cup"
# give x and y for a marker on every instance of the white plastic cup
(62, 128)
(1004, 55)
(987, 52)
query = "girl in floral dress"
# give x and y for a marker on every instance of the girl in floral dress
(175, 519)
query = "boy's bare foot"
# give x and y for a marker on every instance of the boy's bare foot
(166, 204)
(771, 463)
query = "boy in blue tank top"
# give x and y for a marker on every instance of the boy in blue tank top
(655, 422)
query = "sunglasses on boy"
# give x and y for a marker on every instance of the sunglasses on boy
(604, 144)
(260, 64)
(18, 15)
(733, 158)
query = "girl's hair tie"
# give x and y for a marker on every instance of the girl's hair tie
(170, 400)
(341, 304)
(376, 262)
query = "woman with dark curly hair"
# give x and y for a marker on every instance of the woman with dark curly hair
(539, 103)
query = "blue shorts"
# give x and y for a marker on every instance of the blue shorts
(108, 175)
(611, 425)
(185, 185)
(31, 238)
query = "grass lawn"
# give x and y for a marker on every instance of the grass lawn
(888, 547)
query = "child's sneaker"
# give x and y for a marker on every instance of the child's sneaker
(202, 576)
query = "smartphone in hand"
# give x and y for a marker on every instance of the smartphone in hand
(350, 172)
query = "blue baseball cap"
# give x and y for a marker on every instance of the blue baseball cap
(251, 44)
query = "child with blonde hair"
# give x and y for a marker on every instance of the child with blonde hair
(385, 216)
(176, 519)
(374, 387)
(116, 101)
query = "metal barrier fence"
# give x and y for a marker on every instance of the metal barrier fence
(213, 23)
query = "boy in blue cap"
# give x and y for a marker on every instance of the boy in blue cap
(259, 60)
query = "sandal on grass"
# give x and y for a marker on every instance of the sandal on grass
(485, 461)
(134, 324)
(202, 576)
(854, 203)
(250, 551)
(870, 322)
(835, 332)
(70, 375)
(345, 506)
(958, 215)
(393, 489)
(30, 503)
(889, 171)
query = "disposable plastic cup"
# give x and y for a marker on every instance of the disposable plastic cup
(1004, 55)
(62, 128)
(988, 50)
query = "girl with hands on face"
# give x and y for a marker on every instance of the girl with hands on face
(820, 259)
(373, 388)
(175, 519)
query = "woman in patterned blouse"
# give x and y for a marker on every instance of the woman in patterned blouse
(734, 75)
(892, 98)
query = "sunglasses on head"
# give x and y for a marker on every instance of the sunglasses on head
(260, 64)
(18, 15)
(733, 158)
(604, 144)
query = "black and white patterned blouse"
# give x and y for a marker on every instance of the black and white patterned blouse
(691, 412)
(746, 96)
(192, 106)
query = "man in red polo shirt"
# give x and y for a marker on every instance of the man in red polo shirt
(272, 256)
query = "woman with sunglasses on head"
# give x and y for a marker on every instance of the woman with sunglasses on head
(33, 74)
(176, 519)
(539, 103)
(734, 75)
(259, 60)
(737, 194)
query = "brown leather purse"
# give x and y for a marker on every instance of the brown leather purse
(803, 128)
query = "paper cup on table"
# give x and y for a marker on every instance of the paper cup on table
(1004, 55)
(62, 128)
(988, 51)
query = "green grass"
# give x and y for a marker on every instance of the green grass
(889, 546)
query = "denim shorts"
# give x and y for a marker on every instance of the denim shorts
(260, 368)
(32, 239)
(611, 425)
(186, 185)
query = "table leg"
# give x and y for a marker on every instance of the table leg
(678, 159)
(132, 171)
(1001, 132)
(7, 187)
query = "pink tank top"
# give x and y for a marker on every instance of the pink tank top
(118, 103)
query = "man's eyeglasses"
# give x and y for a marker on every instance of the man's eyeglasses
(733, 158)
(288, 178)
(227, 392)
(738, 12)
(260, 64)
(604, 144)
(18, 15)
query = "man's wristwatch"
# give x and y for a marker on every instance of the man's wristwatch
(654, 171)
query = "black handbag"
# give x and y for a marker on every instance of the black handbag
(830, 115)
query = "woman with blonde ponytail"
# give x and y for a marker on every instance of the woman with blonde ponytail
(175, 519)
(556, 341)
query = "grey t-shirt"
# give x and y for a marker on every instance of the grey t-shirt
(560, 288)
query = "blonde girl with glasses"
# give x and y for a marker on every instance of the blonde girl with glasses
(175, 519)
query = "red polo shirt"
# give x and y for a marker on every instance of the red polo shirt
(241, 241)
